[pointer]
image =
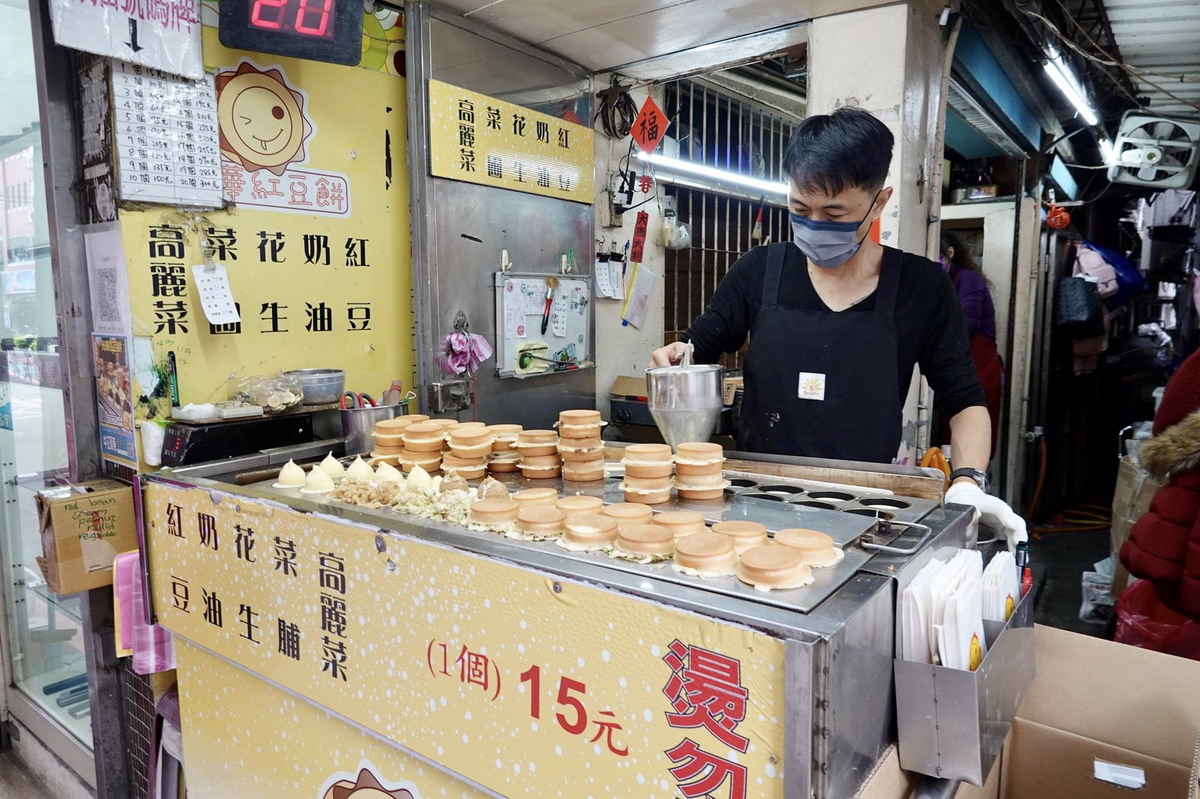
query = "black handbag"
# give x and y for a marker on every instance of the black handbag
(1079, 311)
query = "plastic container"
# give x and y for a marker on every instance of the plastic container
(321, 386)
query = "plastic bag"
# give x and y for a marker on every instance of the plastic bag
(275, 392)
(1123, 275)
(1097, 598)
(1145, 622)
(1092, 265)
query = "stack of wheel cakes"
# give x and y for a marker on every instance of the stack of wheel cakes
(389, 440)
(423, 444)
(470, 446)
(580, 446)
(539, 454)
(698, 470)
(648, 469)
(505, 457)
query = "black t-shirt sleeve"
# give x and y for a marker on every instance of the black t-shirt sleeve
(725, 323)
(945, 355)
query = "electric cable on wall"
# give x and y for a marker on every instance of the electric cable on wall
(617, 110)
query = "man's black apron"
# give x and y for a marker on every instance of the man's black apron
(822, 384)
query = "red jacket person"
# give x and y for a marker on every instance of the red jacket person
(1164, 545)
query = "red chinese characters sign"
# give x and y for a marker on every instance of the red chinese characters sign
(650, 126)
(706, 694)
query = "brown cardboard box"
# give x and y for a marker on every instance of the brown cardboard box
(628, 387)
(84, 526)
(1092, 700)
(1135, 488)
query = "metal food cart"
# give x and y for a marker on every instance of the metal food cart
(446, 638)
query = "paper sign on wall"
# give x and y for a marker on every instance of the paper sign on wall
(114, 400)
(616, 279)
(167, 138)
(603, 284)
(212, 283)
(558, 316)
(164, 34)
(108, 280)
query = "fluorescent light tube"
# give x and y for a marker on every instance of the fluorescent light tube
(721, 175)
(1062, 76)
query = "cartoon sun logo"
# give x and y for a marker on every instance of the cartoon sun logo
(367, 786)
(976, 656)
(262, 119)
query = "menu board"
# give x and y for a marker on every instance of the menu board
(167, 139)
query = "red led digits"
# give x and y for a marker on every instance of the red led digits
(268, 14)
(311, 10)
(311, 17)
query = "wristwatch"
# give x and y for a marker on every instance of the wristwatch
(979, 477)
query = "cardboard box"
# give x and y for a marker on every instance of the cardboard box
(83, 527)
(627, 387)
(1135, 488)
(1093, 702)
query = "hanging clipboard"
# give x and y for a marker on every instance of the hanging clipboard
(522, 350)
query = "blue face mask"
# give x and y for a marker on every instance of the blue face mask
(828, 244)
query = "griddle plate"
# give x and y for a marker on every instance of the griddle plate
(844, 528)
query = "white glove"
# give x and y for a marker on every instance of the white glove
(992, 511)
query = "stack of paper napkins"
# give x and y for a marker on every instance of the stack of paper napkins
(943, 609)
(1001, 587)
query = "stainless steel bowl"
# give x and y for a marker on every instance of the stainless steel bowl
(321, 386)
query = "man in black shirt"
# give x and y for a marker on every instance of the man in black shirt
(836, 322)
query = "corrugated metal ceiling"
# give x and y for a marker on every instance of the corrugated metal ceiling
(1163, 37)
(602, 35)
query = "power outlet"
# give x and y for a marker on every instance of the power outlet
(449, 396)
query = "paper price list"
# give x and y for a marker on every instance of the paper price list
(167, 139)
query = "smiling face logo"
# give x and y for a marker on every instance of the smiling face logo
(262, 119)
(367, 786)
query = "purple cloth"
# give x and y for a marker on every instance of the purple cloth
(976, 302)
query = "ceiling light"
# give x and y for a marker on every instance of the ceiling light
(1066, 81)
(718, 175)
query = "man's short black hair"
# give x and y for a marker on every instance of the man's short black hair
(847, 149)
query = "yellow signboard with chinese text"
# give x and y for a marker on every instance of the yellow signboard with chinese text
(263, 742)
(571, 690)
(480, 139)
(316, 243)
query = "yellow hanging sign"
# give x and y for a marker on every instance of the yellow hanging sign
(479, 139)
(570, 689)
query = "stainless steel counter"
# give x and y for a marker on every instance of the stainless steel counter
(839, 632)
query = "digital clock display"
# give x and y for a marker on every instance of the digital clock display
(301, 17)
(317, 30)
